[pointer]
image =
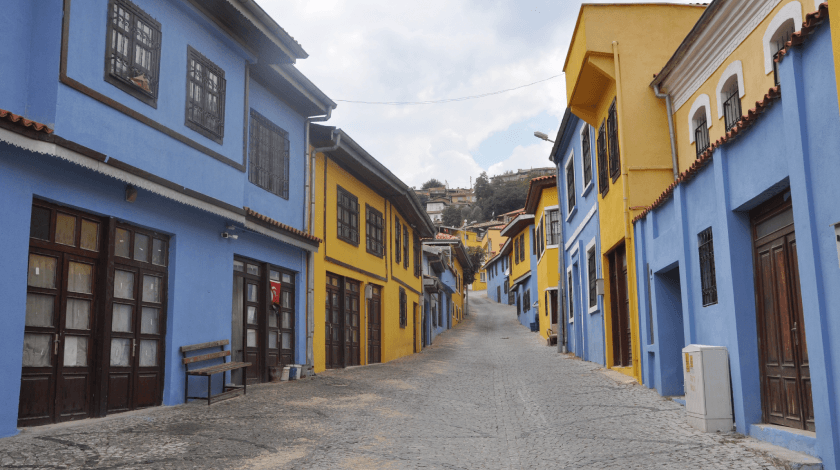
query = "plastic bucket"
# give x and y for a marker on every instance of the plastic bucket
(285, 375)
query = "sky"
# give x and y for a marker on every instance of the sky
(365, 50)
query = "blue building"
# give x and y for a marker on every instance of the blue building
(742, 252)
(497, 275)
(158, 201)
(574, 154)
(445, 263)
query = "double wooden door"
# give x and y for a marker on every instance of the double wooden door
(620, 308)
(342, 328)
(783, 350)
(375, 325)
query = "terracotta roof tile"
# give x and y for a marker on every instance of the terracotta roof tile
(17, 119)
(812, 20)
(280, 225)
(530, 205)
(443, 236)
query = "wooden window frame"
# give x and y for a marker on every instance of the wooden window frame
(708, 281)
(603, 170)
(403, 308)
(350, 212)
(132, 82)
(405, 246)
(612, 131)
(586, 156)
(374, 231)
(592, 277)
(265, 133)
(418, 263)
(199, 105)
(571, 197)
(397, 240)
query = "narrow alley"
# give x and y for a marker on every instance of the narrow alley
(487, 394)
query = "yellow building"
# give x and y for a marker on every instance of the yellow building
(613, 51)
(520, 231)
(490, 243)
(368, 273)
(542, 204)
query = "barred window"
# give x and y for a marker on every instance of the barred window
(132, 56)
(603, 182)
(269, 156)
(374, 230)
(205, 96)
(708, 283)
(590, 262)
(348, 217)
(612, 130)
(403, 308)
(405, 246)
(553, 233)
(397, 240)
(586, 156)
(418, 264)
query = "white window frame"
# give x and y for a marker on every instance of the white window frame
(570, 161)
(588, 186)
(791, 11)
(702, 101)
(733, 69)
(549, 306)
(481, 277)
(551, 208)
(592, 244)
(570, 282)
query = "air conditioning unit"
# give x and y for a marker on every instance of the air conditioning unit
(708, 400)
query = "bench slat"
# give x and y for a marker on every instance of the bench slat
(205, 357)
(211, 344)
(204, 371)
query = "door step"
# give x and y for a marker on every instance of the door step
(783, 457)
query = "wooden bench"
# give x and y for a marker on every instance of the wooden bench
(228, 391)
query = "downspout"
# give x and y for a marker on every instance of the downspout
(670, 110)
(624, 172)
(562, 318)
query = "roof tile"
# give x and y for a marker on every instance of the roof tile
(280, 225)
(18, 119)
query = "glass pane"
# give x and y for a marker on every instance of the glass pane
(79, 278)
(252, 339)
(274, 275)
(287, 320)
(252, 292)
(253, 269)
(42, 271)
(286, 340)
(252, 315)
(287, 278)
(148, 353)
(78, 314)
(90, 236)
(238, 266)
(287, 299)
(141, 247)
(158, 252)
(272, 340)
(40, 310)
(150, 321)
(37, 350)
(121, 318)
(65, 229)
(39, 225)
(771, 225)
(121, 247)
(123, 284)
(272, 319)
(75, 351)
(355, 321)
(151, 289)
(120, 352)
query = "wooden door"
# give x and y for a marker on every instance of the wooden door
(620, 308)
(375, 326)
(250, 293)
(352, 348)
(333, 332)
(281, 331)
(783, 351)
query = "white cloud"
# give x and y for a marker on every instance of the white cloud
(532, 156)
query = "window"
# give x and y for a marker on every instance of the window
(205, 96)
(730, 90)
(527, 300)
(132, 55)
(612, 130)
(569, 296)
(593, 276)
(374, 231)
(732, 105)
(778, 32)
(708, 282)
(269, 156)
(481, 277)
(348, 217)
(522, 247)
(603, 183)
(553, 233)
(403, 308)
(586, 155)
(397, 240)
(570, 183)
(516, 250)
(405, 246)
(418, 264)
(699, 122)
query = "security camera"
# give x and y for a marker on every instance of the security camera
(227, 235)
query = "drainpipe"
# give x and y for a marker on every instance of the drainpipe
(670, 110)
(562, 319)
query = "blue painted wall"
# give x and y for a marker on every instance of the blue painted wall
(793, 145)
(497, 279)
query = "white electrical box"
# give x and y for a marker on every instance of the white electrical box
(708, 400)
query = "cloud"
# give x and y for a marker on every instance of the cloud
(532, 156)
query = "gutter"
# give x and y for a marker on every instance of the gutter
(670, 110)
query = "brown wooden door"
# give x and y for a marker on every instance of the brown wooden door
(552, 306)
(785, 372)
(352, 350)
(252, 336)
(282, 329)
(620, 308)
(333, 332)
(375, 326)
(416, 325)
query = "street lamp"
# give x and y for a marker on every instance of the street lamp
(543, 136)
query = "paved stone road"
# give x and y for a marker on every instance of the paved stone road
(488, 394)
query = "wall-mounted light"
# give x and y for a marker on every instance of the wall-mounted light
(130, 193)
(228, 235)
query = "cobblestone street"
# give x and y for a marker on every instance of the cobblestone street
(487, 394)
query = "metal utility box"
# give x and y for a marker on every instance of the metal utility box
(708, 400)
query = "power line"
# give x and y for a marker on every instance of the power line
(449, 100)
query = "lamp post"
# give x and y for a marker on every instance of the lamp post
(543, 136)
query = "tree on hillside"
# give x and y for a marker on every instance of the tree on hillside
(476, 255)
(432, 183)
(452, 216)
(498, 197)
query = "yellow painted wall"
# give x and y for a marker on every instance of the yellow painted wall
(396, 341)
(612, 56)
(547, 276)
(756, 84)
(458, 296)
(524, 266)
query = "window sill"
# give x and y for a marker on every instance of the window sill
(378, 255)
(587, 189)
(593, 310)
(132, 90)
(201, 130)
(349, 242)
(571, 213)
